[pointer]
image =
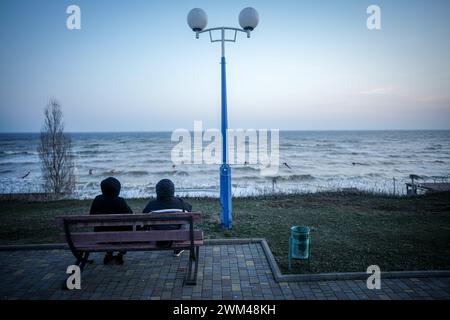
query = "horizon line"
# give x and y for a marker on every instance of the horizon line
(281, 130)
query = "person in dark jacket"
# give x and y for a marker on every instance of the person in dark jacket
(166, 200)
(109, 202)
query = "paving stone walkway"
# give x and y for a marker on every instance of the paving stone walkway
(239, 271)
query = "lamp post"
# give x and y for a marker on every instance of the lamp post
(197, 21)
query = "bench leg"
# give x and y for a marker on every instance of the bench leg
(187, 279)
(197, 249)
(84, 260)
(191, 279)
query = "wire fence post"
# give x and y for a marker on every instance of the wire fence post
(394, 186)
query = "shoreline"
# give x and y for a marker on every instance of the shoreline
(43, 197)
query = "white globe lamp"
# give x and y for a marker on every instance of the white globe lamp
(197, 19)
(248, 18)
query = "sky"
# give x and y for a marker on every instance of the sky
(309, 65)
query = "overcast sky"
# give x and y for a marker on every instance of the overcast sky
(310, 65)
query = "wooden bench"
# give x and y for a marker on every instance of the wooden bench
(82, 243)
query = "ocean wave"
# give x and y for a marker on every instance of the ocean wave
(87, 185)
(94, 145)
(247, 178)
(434, 147)
(17, 153)
(111, 172)
(293, 177)
(246, 169)
(373, 175)
(206, 189)
(327, 145)
(164, 172)
(87, 152)
(136, 173)
(171, 173)
(18, 163)
(288, 144)
(350, 141)
(359, 153)
(181, 173)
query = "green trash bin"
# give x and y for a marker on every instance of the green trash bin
(299, 244)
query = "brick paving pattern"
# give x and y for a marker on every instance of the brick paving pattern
(238, 271)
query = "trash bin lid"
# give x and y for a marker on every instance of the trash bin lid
(300, 230)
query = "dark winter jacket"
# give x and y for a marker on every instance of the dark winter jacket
(165, 199)
(109, 202)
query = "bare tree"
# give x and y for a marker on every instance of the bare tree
(55, 153)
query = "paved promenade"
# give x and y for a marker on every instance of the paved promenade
(235, 271)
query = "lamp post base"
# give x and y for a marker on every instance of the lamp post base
(226, 217)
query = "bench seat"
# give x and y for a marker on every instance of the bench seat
(149, 246)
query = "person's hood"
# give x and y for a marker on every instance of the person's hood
(110, 187)
(165, 189)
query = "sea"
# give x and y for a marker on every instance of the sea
(310, 161)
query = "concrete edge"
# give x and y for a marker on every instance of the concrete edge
(61, 246)
(45, 246)
(211, 242)
(278, 276)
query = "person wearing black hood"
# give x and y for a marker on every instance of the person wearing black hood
(166, 201)
(109, 202)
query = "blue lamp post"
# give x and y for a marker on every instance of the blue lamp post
(197, 21)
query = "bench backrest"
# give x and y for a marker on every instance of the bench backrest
(98, 220)
(135, 220)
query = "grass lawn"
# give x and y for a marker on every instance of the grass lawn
(350, 231)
